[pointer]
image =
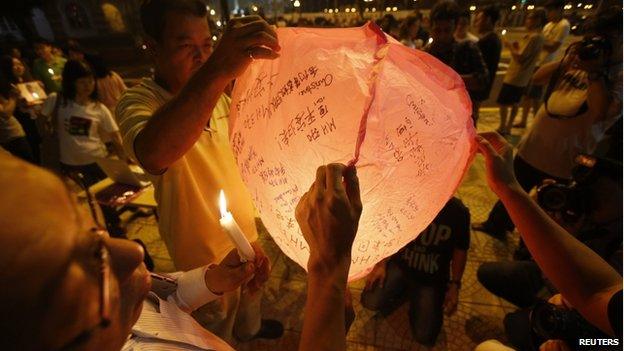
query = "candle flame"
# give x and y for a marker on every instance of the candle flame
(222, 204)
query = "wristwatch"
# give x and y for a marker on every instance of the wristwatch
(455, 282)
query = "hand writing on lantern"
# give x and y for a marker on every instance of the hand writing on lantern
(328, 215)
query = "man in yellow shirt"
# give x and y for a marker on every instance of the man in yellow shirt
(176, 127)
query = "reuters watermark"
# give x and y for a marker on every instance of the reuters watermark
(599, 342)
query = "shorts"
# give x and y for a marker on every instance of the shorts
(509, 94)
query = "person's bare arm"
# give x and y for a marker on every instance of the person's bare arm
(585, 279)
(115, 139)
(551, 46)
(458, 264)
(175, 127)
(543, 74)
(598, 94)
(328, 215)
(7, 107)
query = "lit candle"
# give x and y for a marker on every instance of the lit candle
(229, 225)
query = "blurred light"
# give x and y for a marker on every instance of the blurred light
(51, 71)
(325, 10)
(214, 37)
(574, 27)
(394, 9)
(504, 32)
(513, 8)
(430, 40)
(296, 3)
(353, 9)
(218, 23)
(35, 95)
(336, 10)
(255, 8)
(144, 47)
(374, 9)
(366, 9)
(388, 9)
(530, 7)
(473, 7)
(347, 10)
(213, 12)
(579, 5)
(207, 8)
(331, 11)
(590, 6)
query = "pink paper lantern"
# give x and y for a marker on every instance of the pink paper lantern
(352, 95)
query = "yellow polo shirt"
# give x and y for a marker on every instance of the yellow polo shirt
(188, 192)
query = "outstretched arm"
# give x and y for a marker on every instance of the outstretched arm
(328, 215)
(585, 279)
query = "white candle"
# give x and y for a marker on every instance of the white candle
(229, 225)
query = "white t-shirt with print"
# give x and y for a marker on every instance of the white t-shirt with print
(554, 32)
(79, 128)
(567, 129)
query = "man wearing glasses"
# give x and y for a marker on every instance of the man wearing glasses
(67, 285)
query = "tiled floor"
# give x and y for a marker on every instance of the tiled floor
(479, 315)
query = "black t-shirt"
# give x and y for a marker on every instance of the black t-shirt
(615, 313)
(464, 58)
(427, 258)
(490, 46)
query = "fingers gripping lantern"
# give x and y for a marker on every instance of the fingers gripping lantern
(356, 96)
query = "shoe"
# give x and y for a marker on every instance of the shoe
(486, 228)
(270, 329)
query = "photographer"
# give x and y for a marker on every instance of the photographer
(583, 99)
(589, 207)
(589, 284)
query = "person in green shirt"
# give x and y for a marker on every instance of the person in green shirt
(47, 67)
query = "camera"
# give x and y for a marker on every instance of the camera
(552, 322)
(591, 47)
(570, 200)
(575, 198)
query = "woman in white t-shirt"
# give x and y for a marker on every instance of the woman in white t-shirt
(584, 100)
(81, 122)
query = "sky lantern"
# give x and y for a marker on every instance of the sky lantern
(354, 96)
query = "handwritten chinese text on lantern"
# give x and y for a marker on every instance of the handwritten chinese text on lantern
(351, 95)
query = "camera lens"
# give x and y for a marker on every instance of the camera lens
(552, 197)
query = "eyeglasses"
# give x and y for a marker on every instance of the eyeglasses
(104, 273)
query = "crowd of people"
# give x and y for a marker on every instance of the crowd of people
(561, 191)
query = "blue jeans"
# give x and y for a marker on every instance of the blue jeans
(426, 302)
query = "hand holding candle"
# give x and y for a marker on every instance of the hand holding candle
(229, 225)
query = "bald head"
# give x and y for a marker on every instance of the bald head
(38, 229)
